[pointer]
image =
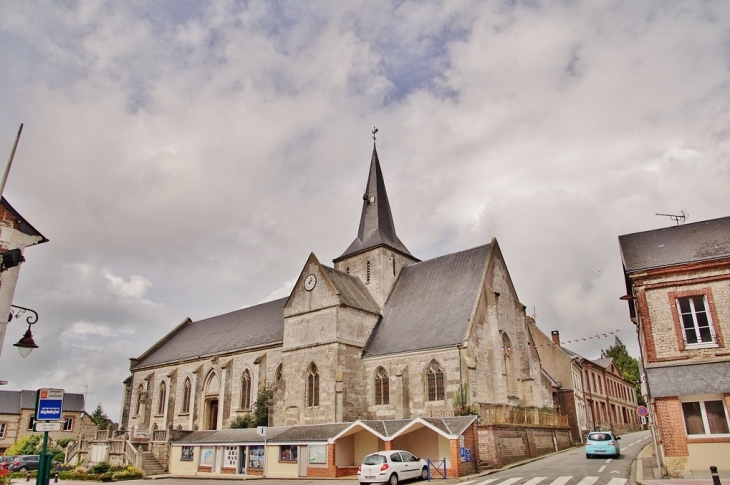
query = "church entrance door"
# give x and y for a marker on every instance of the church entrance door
(212, 414)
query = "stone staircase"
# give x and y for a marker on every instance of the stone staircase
(150, 465)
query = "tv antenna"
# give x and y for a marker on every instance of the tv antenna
(678, 218)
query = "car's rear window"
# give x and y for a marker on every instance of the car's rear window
(374, 460)
(599, 437)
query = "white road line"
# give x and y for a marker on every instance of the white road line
(534, 481)
(561, 480)
(617, 481)
(588, 481)
(609, 460)
(600, 470)
(485, 482)
(510, 481)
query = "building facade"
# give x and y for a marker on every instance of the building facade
(678, 282)
(380, 335)
(17, 410)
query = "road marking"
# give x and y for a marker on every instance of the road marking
(588, 481)
(510, 481)
(534, 481)
(561, 480)
(600, 470)
(609, 460)
(485, 482)
(617, 481)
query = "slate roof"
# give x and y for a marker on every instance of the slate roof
(430, 304)
(686, 243)
(352, 290)
(376, 221)
(25, 226)
(603, 362)
(250, 327)
(12, 402)
(453, 426)
(687, 380)
(386, 428)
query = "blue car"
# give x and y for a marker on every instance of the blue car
(600, 443)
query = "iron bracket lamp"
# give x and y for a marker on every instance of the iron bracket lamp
(26, 344)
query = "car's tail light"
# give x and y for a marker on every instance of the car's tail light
(359, 469)
(612, 443)
(383, 467)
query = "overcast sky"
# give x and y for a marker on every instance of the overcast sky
(184, 158)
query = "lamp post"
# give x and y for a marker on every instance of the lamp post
(26, 344)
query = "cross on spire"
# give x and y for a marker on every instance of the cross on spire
(375, 130)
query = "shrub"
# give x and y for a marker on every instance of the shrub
(245, 421)
(99, 468)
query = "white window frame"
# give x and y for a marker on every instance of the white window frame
(698, 345)
(68, 424)
(702, 398)
(3, 427)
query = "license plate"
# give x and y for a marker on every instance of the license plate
(370, 477)
(600, 451)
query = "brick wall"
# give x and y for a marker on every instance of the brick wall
(500, 445)
(671, 426)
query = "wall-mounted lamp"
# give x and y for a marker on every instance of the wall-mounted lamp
(26, 344)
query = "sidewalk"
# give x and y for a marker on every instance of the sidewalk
(647, 472)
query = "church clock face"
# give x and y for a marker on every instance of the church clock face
(310, 282)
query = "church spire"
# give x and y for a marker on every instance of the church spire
(376, 221)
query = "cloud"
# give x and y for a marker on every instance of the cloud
(184, 158)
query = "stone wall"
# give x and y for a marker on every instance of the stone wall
(500, 445)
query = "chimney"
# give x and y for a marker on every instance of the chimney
(556, 337)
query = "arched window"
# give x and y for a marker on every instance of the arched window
(186, 395)
(140, 399)
(246, 390)
(312, 386)
(509, 364)
(435, 382)
(163, 395)
(382, 387)
(214, 385)
(279, 374)
(368, 273)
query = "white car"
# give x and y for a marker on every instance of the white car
(391, 466)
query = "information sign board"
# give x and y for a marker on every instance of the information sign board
(49, 405)
(48, 426)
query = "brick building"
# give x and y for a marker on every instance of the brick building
(380, 335)
(16, 418)
(678, 282)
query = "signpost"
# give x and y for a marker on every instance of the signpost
(48, 414)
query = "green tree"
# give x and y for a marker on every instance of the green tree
(27, 445)
(238, 422)
(260, 408)
(99, 417)
(629, 366)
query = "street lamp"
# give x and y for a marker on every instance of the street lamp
(26, 344)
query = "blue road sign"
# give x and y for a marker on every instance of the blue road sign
(49, 405)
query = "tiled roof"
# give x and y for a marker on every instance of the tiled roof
(431, 303)
(376, 221)
(247, 328)
(11, 402)
(352, 290)
(686, 243)
(688, 380)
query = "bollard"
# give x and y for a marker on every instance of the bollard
(27, 476)
(715, 476)
(55, 480)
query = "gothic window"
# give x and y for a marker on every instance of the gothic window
(509, 364)
(163, 395)
(246, 390)
(368, 273)
(382, 387)
(186, 395)
(140, 399)
(279, 374)
(312, 386)
(214, 385)
(435, 382)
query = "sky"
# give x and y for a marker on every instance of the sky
(185, 157)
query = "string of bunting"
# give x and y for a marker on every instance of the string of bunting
(576, 340)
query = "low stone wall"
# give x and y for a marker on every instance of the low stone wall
(502, 444)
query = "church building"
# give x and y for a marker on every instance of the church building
(378, 335)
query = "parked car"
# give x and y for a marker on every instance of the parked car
(602, 443)
(5, 461)
(23, 463)
(391, 467)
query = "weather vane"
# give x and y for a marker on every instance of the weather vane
(375, 130)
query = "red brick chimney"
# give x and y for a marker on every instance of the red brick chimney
(556, 337)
